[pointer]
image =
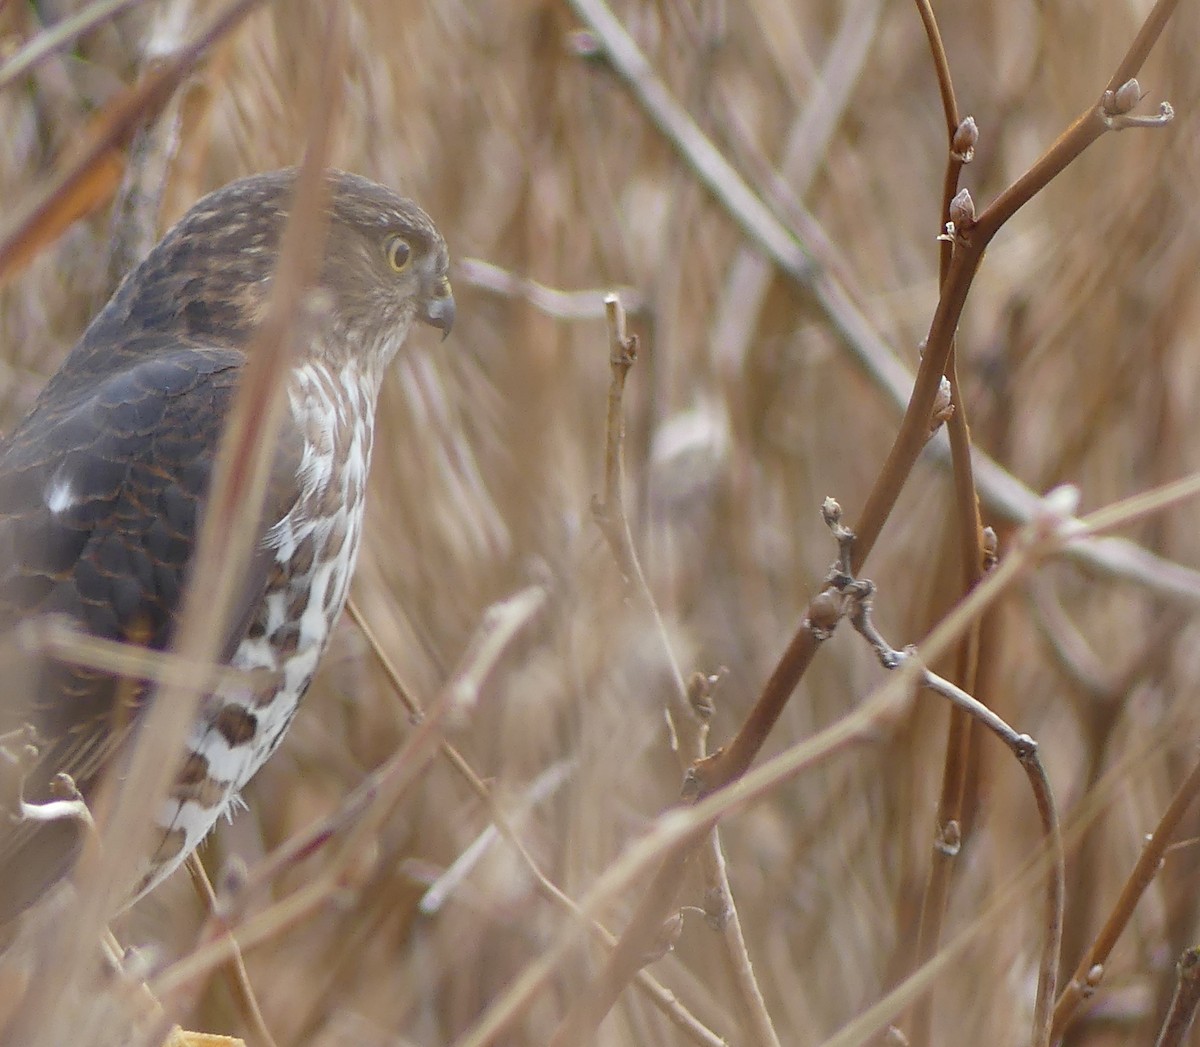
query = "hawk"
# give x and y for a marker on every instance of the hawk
(102, 485)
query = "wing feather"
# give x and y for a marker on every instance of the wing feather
(101, 489)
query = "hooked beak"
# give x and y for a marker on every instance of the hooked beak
(437, 309)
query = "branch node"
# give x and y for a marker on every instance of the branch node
(949, 838)
(664, 942)
(1117, 106)
(962, 211)
(943, 406)
(1024, 748)
(716, 908)
(824, 612)
(991, 548)
(831, 513)
(700, 688)
(961, 215)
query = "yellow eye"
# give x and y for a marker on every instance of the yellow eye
(399, 253)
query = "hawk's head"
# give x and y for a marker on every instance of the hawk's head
(384, 265)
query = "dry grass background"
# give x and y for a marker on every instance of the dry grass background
(1078, 350)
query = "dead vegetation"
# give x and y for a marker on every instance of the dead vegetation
(766, 189)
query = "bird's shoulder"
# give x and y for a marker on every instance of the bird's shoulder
(102, 483)
(102, 488)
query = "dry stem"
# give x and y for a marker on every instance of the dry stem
(1090, 970)
(1184, 1003)
(661, 997)
(669, 844)
(236, 974)
(688, 732)
(92, 176)
(949, 825)
(1006, 495)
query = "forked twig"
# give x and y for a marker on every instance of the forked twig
(688, 733)
(970, 239)
(1025, 749)
(675, 833)
(674, 837)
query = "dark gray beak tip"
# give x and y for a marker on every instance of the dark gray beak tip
(438, 311)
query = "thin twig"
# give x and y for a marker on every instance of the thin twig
(553, 301)
(1071, 650)
(971, 238)
(672, 838)
(660, 996)
(1007, 496)
(750, 274)
(236, 974)
(1184, 1002)
(1090, 970)
(688, 733)
(1023, 747)
(59, 35)
(610, 516)
(948, 828)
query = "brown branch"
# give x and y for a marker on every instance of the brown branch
(665, 847)
(961, 136)
(1005, 494)
(970, 240)
(93, 173)
(1090, 970)
(1025, 749)
(673, 837)
(941, 67)
(1184, 1003)
(680, 830)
